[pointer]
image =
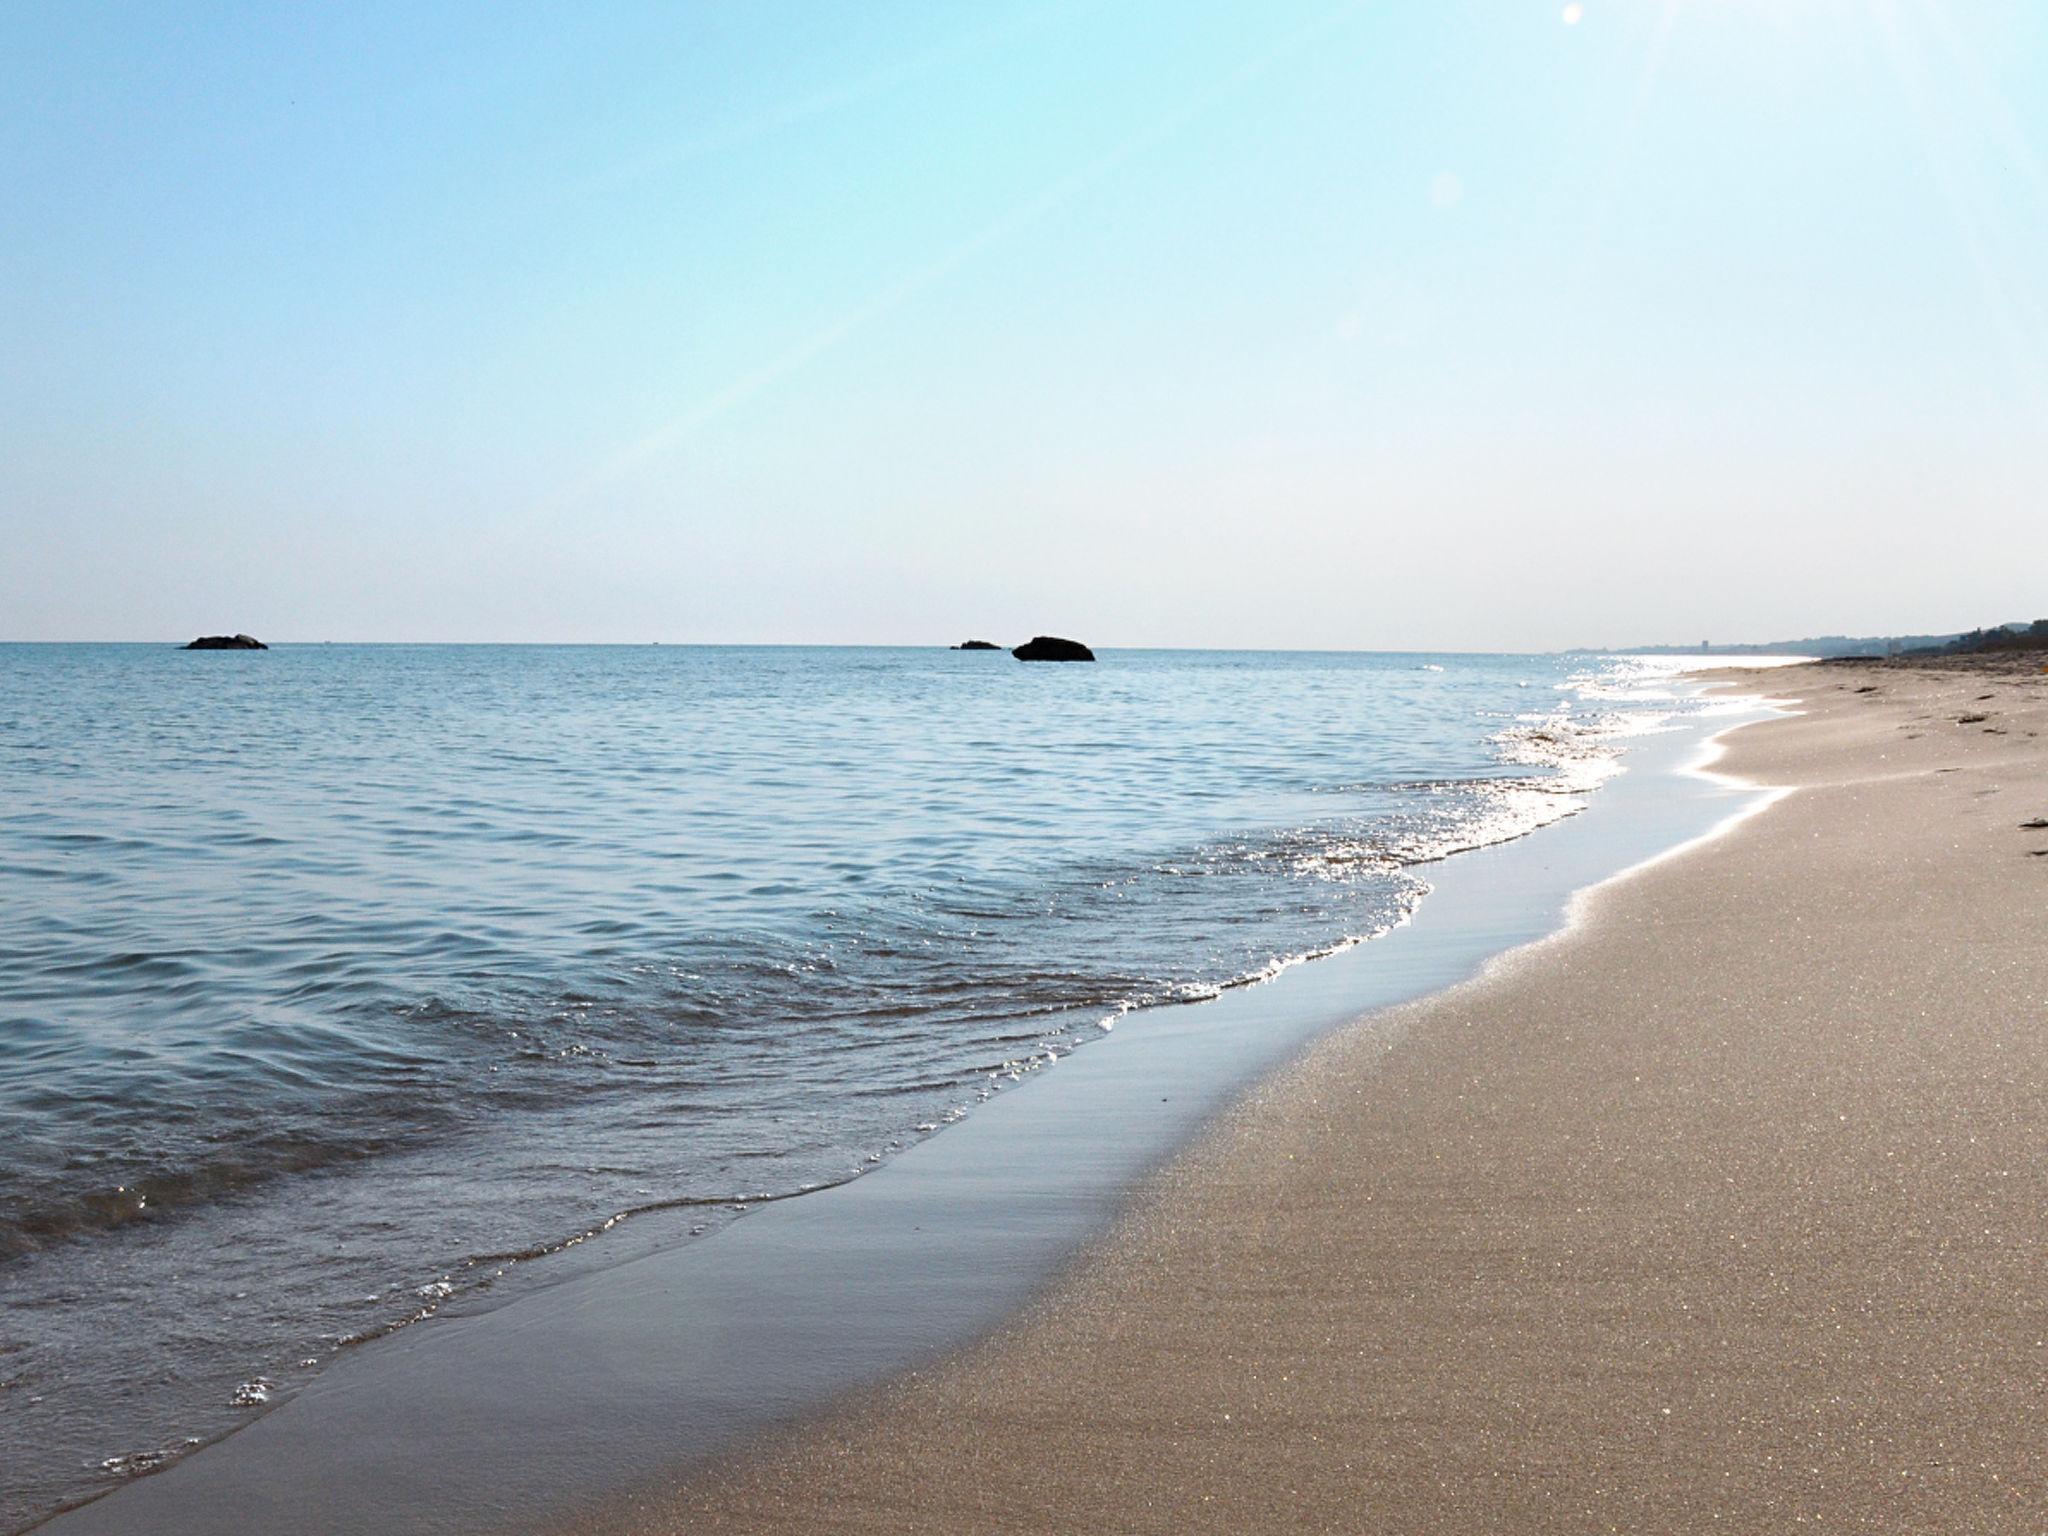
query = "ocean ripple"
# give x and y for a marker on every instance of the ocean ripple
(342, 985)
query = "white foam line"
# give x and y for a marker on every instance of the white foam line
(1712, 750)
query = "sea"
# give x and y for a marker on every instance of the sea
(345, 985)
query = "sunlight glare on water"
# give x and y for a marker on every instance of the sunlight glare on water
(339, 983)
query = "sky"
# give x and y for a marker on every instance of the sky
(1469, 324)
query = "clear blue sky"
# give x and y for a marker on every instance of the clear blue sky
(1470, 323)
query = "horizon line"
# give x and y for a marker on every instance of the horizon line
(1749, 646)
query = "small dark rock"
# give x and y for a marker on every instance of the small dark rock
(1052, 648)
(1970, 719)
(2038, 824)
(977, 645)
(227, 643)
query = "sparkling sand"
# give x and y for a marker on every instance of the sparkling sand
(1722, 1210)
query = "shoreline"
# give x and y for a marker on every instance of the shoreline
(641, 989)
(450, 1388)
(1724, 1207)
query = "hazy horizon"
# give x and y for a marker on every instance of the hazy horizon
(1619, 649)
(1479, 328)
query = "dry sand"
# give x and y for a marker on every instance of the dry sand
(1723, 1210)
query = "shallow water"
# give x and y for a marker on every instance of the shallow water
(335, 982)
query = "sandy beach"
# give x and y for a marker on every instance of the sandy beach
(1722, 1210)
(851, 768)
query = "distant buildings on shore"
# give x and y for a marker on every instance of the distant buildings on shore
(1811, 645)
(2020, 636)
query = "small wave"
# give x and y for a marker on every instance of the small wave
(495, 941)
(42, 1217)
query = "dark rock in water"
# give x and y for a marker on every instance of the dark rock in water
(1052, 648)
(227, 643)
(977, 645)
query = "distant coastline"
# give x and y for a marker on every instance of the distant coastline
(1821, 646)
(2012, 636)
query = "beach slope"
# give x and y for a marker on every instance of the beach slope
(1722, 1210)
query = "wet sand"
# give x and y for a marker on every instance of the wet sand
(1722, 1210)
(517, 1417)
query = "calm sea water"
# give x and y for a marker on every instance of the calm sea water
(339, 984)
